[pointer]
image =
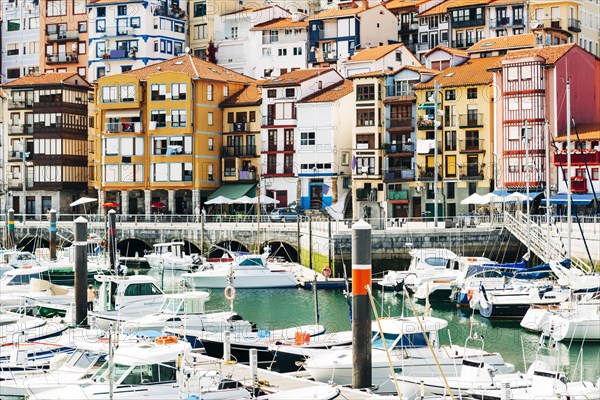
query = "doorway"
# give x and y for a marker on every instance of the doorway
(316, 196)
(416, 203)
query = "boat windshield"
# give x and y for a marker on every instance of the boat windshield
(82, 359)
(377, 341)
(393, 340)
(24, 279)
(171, 305)
(251, 262)
(103, 374)
(436, 261)
(151, 373)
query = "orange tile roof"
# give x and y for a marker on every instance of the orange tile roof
(50, 78)
(280, 23)
(472, 72)
(443, 7)
(421, 70)
(370, 74)
(194, 67)
(336, 12)
(456, 52)
(550, 54)
(294, 78)
(375, 53)
(249, 96)
(588, 131)
(504, 43)
(399, 4)
(331, 93)
(248, 10)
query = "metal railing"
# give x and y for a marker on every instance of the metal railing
(399, 174)
(401, 122)
(119, 127)
(470, 120)
(471, 145)
(62, 58)
(66, 36)
(400, 148)
(238, 151)
(574, 25)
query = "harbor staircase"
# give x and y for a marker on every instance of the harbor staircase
(546, 247)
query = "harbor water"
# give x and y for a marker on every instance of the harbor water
(283, 308)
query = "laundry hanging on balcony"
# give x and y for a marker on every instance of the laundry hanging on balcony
(423, 146)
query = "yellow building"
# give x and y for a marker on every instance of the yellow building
(241, 139)
(464, 137)
(160, 138)
(581, 18)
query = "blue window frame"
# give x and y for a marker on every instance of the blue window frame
(101, 12)
(100, 48)
(100, 25)
(122, 10)
(100, 72)
(135, 22)
(162, 45)
(122, 28)
(169, 47)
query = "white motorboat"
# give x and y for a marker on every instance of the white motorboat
(22, 287)
(20, 328)
(171, 256)
(424, 263)
(580, 323)
(246, 271)
(185, 311)
(409, 354)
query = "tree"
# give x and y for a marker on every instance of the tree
(211, 52)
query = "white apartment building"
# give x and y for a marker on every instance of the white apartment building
(434, 28)
(279, 166)
(282, 44)
(382, 58)
(324, 148)
(131, 34)
(238, 50)
(20, 38)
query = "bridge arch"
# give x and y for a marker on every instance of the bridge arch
(280, 248)
(189, 247)
(130, 246)
(232, 245)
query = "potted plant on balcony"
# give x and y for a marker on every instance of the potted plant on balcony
(385, 146)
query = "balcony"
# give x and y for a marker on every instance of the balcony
(470, 120)
(399, 175)
(243, 175)
(399, 94)
(578, 184)
(471, 146)
(555, 23)
(62, 58)
(471, 173)
(363, 194)
(401, 124)
(591, 157)
(119, 54)
(425, 124)
(428, 174)
(400, 148)
(66, 36)
(462, 44)
(468, 22)
(574, 25)
(173, 12)
(238, 127)
(506, 22)
(14, 104)
(239, 151)
(397, 195)
(123, 127)
(20, 129)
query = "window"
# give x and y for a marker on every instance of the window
(34, 23)
(290, 92)
(200, 9)
(365, 117)
(158, 92)
(514, 133)
(178, 118)
(82, 27)
(307, 139)
(365, 92)
(526, 72)
(252, 116)
(122, 10)
(471, 93)
(297, 51)
(100, 25)
(234, 32)
(211, 144)
(159, 117)
(100, 72)
(101, 12)
(200, 31)
(128, 93)
(81, 48)
(109, 94)
(450, 94)
(12, 49)
(209, 172)
(209, 92)
(271, 93)
(451, 190)
(513, 104)
(78, 6)
(526, 103)
(82, 71)
(178, 91)
(209, 118)
(135, 22)
(595, 174)
(56, 8)
(282, 52)
(225, 91)
(14, 25)
(450, 140)
(513, 73)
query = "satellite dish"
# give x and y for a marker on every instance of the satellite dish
(187, 50)
(535, 24)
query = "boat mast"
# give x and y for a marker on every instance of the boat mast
(547, 144)
(569, 206)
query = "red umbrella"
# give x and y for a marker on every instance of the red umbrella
(158, 204)
(111, 204)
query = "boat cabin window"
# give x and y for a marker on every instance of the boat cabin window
(18, 279)
(24, 256)
(377, 341)
(249, 262)
(151, 373)
(394, 340)
(142, 289)
(489, 274)
(173, 306)
(190, 306)
(436, 261)
(103, 374)
(82, 359)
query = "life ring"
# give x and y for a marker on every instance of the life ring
(166, 339)
(470, 294)
(230, 293)
(326, 272)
